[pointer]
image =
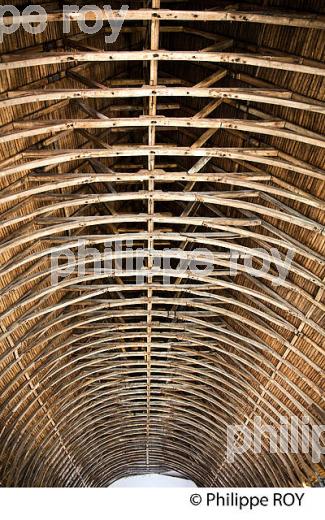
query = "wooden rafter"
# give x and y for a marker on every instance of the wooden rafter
(195, 146)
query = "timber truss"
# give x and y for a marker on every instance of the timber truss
(181, 136)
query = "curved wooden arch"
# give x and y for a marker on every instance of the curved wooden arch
(266, 156)
(220, 328)
(80, 437)
(172, 236)
(268, 96)
(273, 17)
(198, 255)
(213, 346)
(101, 377)
(240, 180)
(220, 199)
(272, 127)
(228, 333)
(180, 301)
(171, 445)
(10, 435)
(70, 383)
(196, 304)
(269, 62)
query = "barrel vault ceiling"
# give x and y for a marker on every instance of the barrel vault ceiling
(201, 127)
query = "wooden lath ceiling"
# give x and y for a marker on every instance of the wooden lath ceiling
(202, 127)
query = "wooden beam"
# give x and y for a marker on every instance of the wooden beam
(256, 155)
(258, 95)
(222, 198)
(272, 17)
(272, 127)
(255, 60)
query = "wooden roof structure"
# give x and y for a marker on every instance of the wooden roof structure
(201, 130)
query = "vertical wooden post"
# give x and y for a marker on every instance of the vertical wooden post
(154, 45)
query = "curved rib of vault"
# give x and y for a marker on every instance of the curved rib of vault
(189, 141)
